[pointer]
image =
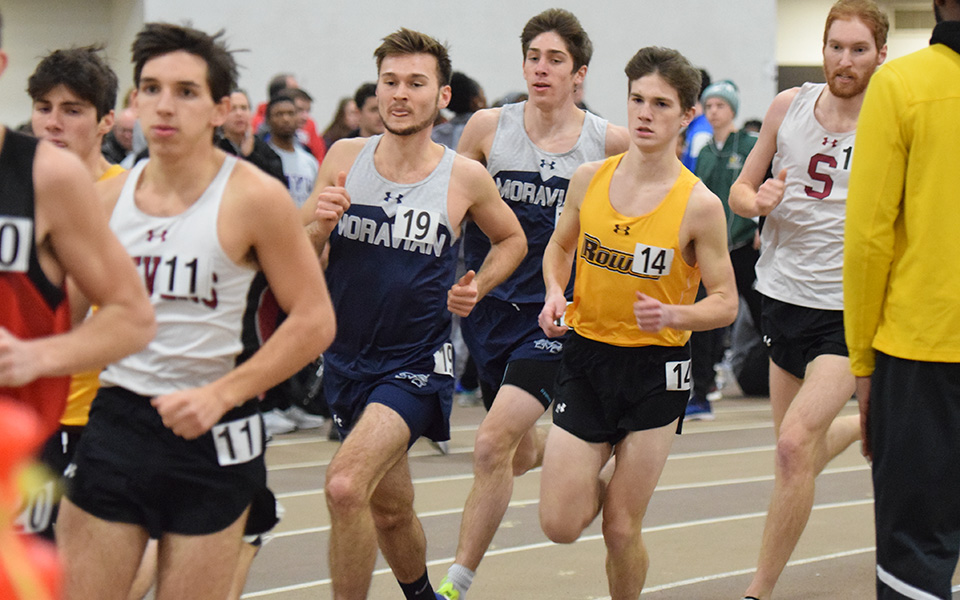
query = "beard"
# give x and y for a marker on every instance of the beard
(412, 129)
(854, 88)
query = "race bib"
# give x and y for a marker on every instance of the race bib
(238, 441)
(651, 261)
(38, 511)
(16, 238)
(182, 277)
(678, 375)
(443, 360)
(416, 224)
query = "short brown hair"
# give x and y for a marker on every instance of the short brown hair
(672, 66)
(406, 41)
(157, 39)
(83, 71)
(865, 10)
(567, 26)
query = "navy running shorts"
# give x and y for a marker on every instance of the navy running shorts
(423, 400)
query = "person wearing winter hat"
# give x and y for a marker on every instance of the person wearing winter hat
(718, 166)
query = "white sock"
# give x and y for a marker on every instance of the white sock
(461, 578)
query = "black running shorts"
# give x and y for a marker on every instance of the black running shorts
(130, 468)
(604, 392)
(796, 334)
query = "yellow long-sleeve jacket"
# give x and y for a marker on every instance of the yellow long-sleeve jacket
(901, 274)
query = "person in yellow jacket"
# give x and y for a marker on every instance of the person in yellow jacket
(644, 231)
(902, 316)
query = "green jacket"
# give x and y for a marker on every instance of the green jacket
(718, 169)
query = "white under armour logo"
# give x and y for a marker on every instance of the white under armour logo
(766, 340)
(70, 471)
(338, 420)
(561, 407)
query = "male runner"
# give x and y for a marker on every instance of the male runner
(51, 227)
(73, 93)
(391, 206)
(531, 149)
(644, 231)
(174, 446)
(809, 134)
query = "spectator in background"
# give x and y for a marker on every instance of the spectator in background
(278, 83)
(466, 98)
(238, 138)
(307, 133)
(118, 142)
(299, 166)
(698, 131)
(345, 119)
(752, 126)
(369, 122)
(718, 166)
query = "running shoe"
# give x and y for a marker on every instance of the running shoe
(698, 409)
(275, 423)
(302, 419)
(446, 591)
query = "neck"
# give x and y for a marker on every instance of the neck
(721, 134)
(539, 118)
(407, 158)
(96, 164)
(236, 138)
(838, 114)
(653, 166)
(284, 143)
(183, 173)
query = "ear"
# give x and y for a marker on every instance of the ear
(220, 111)
(3, 61)
(882, 55)
(106, 123)
(580, 75)
(444, 99)
(688, 116)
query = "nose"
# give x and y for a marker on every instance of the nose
(541, 65)
(52, 121)
(165, 101)
(644, 113)
(846, 58)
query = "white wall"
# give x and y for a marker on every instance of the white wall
(800, 32)
(329, 44)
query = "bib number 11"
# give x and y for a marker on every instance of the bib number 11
(238, 441)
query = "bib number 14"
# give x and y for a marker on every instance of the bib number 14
(651, 261)
(678, 376)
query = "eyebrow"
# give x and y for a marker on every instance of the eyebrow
(400, 76)
(656, 98)
(188, 83)
(548, 52)
(68, 103)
